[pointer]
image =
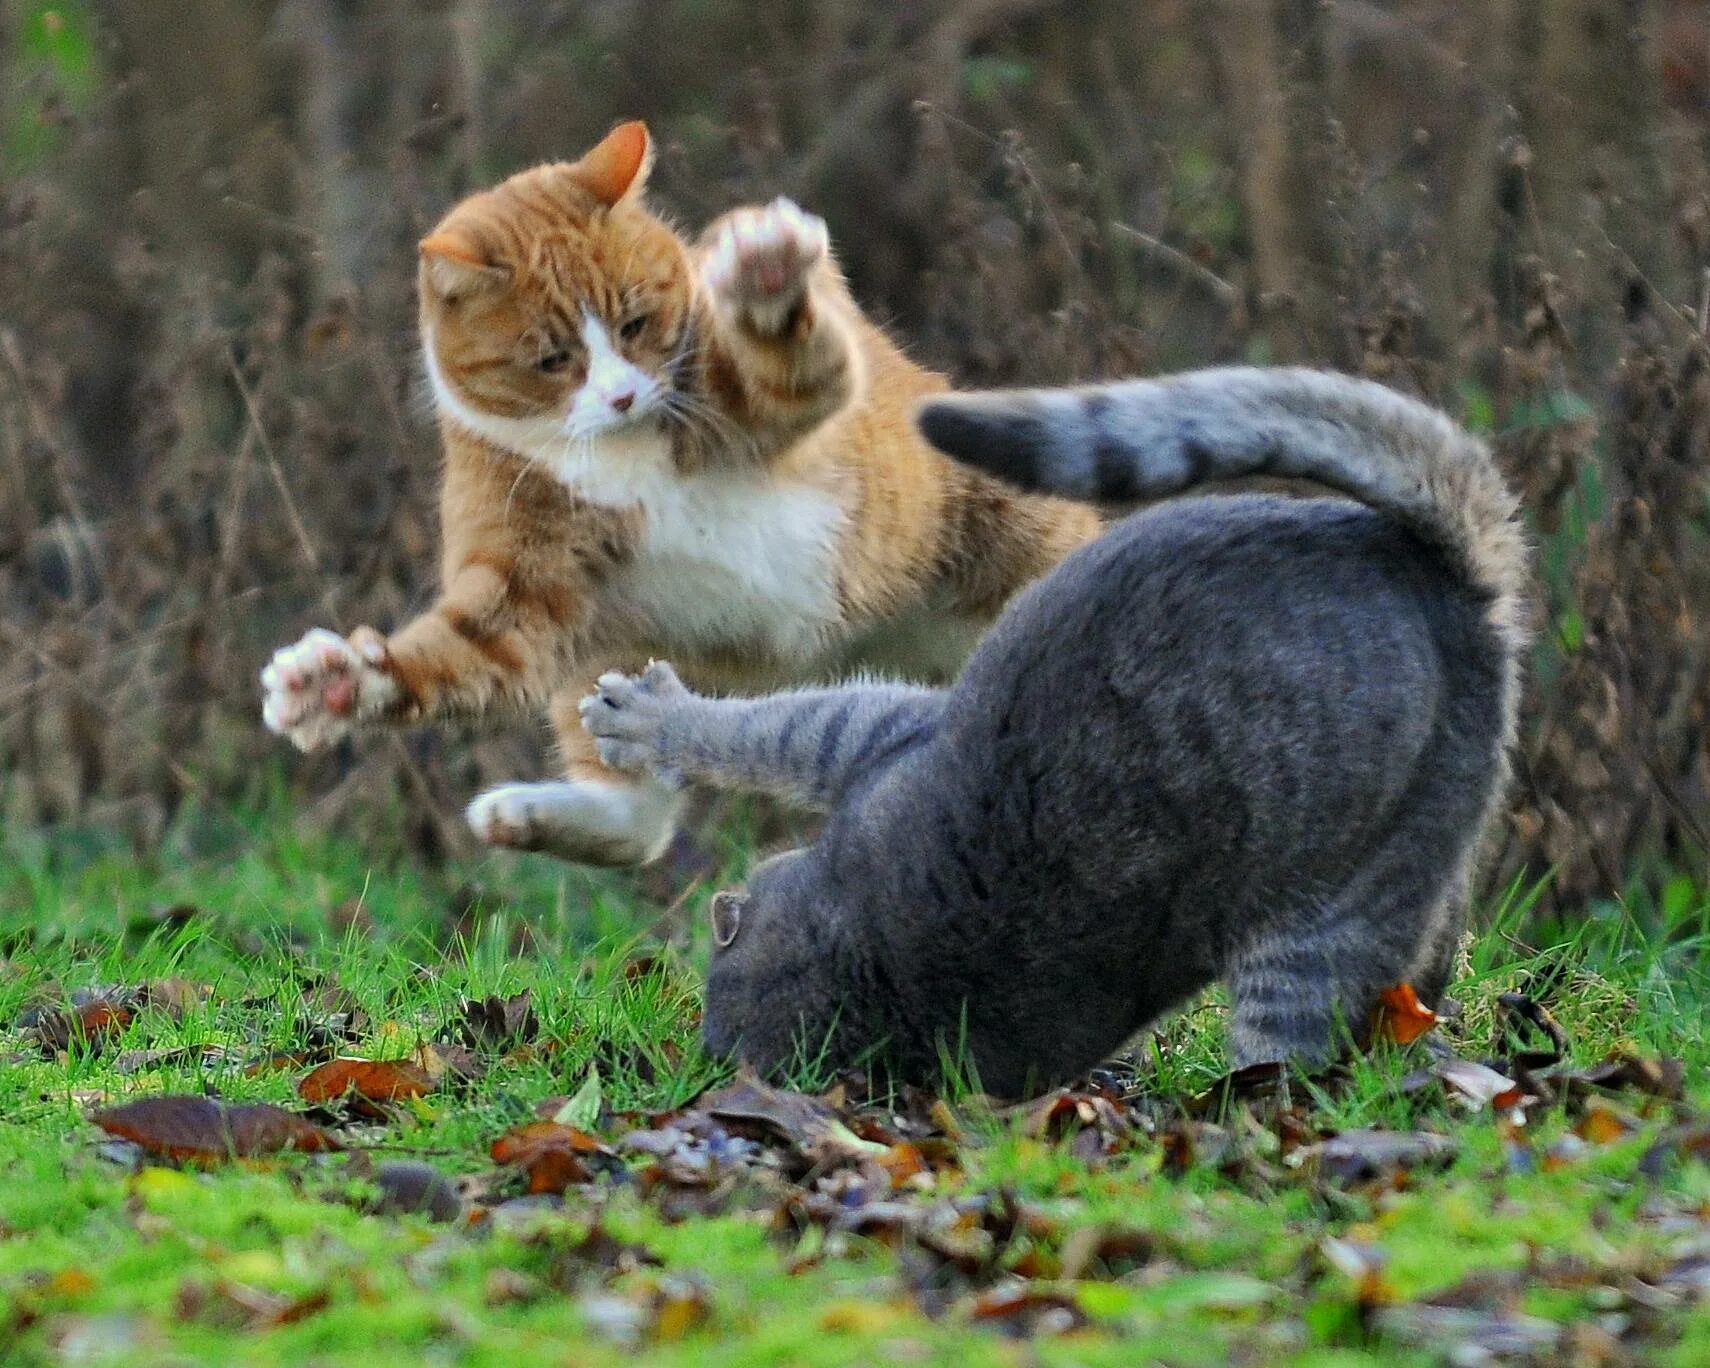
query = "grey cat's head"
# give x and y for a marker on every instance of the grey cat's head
(763, 956)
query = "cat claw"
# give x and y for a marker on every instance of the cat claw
(627, 715)
(760, 260)
(320, 688)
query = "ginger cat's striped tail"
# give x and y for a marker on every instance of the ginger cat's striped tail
(1143, 439)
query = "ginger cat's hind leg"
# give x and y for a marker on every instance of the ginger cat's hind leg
(594, 815)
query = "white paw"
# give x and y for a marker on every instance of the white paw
(627, 716)
(760, 259)
(321, 688)
(589, 821)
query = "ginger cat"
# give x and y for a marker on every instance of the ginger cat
(653, 449)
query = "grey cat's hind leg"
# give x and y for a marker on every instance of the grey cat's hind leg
(1439, 958)
(1305, 987)
(809, 745)
(1293, 996)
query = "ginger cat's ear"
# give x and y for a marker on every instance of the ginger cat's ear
(455, 265)
(616, 168)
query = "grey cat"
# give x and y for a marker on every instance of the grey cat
(1245, 737)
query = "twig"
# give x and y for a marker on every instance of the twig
(311, 557)
(1201, 275)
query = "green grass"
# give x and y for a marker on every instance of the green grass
(102, 1264)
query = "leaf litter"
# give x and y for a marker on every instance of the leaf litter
(834, 1172)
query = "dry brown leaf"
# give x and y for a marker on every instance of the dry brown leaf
(1022, 1312)
(137, 1061)
(365, 1081)
(1400, 1016)
(497, 1024)
(552, 1155)
(89, 1025)
(902, 1162)
(679, 1306)
(1363, 1265)
(174, 996)
(812, 1130)
(178, 1126)
(241, 1307)
(1603, 1124)
(1365, 1155)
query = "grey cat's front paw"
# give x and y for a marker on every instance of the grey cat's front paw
(630, 716)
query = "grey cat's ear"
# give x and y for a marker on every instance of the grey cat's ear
(727, 917)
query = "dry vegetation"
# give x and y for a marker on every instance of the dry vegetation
(211, 430)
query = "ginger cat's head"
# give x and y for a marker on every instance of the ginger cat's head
(555, 308)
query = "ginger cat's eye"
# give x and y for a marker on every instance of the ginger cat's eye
(553, 362)
(633, 327)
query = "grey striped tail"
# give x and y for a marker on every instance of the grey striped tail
(1143, 439)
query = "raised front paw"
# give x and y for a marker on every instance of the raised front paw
(629, 717)
(760, 259)
(318, 690)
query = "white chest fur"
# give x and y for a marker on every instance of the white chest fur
(729, 560)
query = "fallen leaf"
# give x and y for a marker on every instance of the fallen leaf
(1475, 1084)
(1603, 1124)
(139, 1061)
(364, 1083)
(236, 1305)
(901, 1162)
(71, 1282)
(807, 1125)
(552, 1155)
(679, 1306)
(332, 1011)
(641, 966)
(1255, 1083)
(87, 1026)
(1022, 1311)
(863, 1318)
(1400, 1016)
(1363, 1265)
(1105, 1251)
(1364, 1155)
(944, 1120)
(174, 996)
(447, 1064)
(1463, 1336)
(1063, 1113)
(582, 1108)
(1690, 1140)
(178, 1126)
(496, 1024)
(1663, 1078)
(511, 1287)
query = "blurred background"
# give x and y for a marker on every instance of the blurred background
(213, 432)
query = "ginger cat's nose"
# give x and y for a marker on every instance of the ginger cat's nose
(623, 402)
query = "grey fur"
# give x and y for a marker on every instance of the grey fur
(1248, 737)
